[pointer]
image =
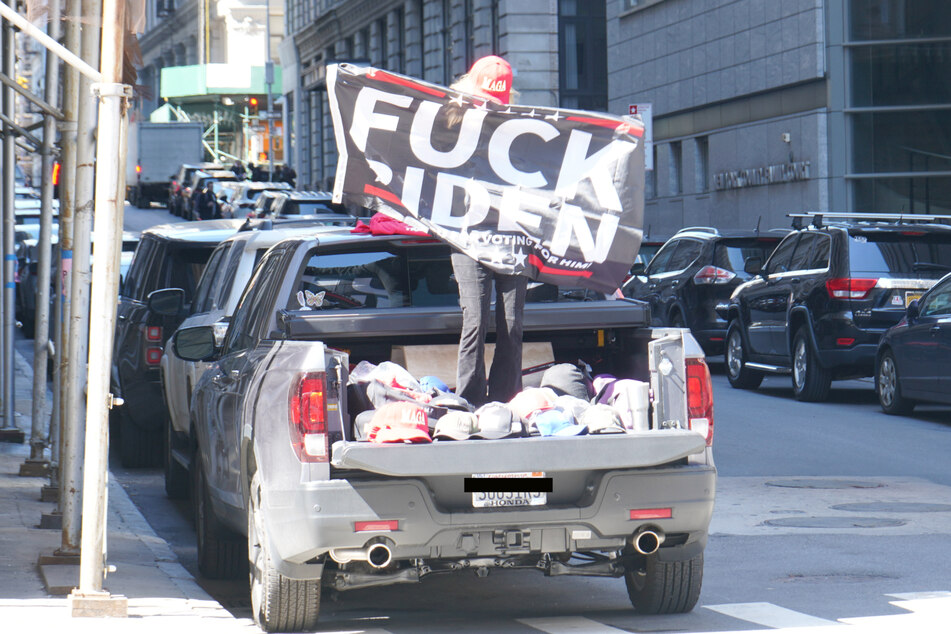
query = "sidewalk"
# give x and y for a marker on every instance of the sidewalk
(163, 596)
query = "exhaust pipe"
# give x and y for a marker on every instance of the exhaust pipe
(379, 556)
(647, 541)
(376, 555)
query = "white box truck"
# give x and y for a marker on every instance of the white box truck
(155, 152)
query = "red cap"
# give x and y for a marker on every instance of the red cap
(492, 77)
(399, 422)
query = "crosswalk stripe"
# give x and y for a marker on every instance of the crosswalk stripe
(769, 615)
(570, 625)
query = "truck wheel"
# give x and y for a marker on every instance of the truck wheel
(810, 380)
(221, 552)
(138, 447)
(176, 476)
(888, 387)
(739, 376)
(665, 587)
(278, 604)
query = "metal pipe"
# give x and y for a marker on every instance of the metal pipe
(646, 541)
(110, 200)
(45, 106)
(49, 43)
(8, 323)
(41, 332)
(71, 440)
(74, 377)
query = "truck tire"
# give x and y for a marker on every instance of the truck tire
(810, 380)
(176, 476)
(138, 447)
(734, 353)
(278, 604)
(664, 587)
(888, 387)
(221, 552)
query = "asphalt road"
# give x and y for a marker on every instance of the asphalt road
(824, 512)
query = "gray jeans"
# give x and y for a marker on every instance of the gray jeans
(475, 297)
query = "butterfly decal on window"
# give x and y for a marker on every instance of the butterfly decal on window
(307, 299)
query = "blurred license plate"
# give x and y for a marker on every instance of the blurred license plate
(491, 499)
(911, 296)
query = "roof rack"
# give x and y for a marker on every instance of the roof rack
(817, 217)
(712, 230)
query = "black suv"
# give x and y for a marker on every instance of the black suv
(289, 204)
(823, 299)
(168, 256)
(694, 271)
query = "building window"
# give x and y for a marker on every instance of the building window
(469, 24)
(676, 169)
(494, 19)
(582, 54)
(399, 34)
(650, 176)
(900, 158)
(702, 163)
(447, 41)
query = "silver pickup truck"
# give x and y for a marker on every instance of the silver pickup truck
(283, 483)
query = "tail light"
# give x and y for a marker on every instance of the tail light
(713, 275)
(850, 287)
(56, 168)
(308, 417)
(153, 345)
(700, 398)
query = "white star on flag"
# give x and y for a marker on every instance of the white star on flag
(520, 258)
(458, 100)
(553, 117)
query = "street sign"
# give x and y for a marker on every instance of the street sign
(645, 112)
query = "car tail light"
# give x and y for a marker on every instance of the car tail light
(56, 168)
(700, 398)
(153, 333)
(153, 356)
(308, 414)
(845, 341)
(713, 275)
(850, 287)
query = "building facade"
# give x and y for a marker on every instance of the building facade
(557, 50)
(765, 108)
(208, 59)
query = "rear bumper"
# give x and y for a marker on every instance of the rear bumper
(307, 521)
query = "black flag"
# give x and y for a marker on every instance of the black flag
(553, 194)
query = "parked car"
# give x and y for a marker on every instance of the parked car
(913, 363)
(694, 271)
(820, 304)
(303, 203)
(221, 284)
(167, 256)
(199, 179)
(262, 206)
(180, 187)
(244, 195)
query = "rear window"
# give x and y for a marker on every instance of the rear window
(912, 255)
(395, 278)
(305, 208)
(732, 255)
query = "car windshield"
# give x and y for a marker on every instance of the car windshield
(913, 254)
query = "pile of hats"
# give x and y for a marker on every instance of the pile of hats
(402, 409)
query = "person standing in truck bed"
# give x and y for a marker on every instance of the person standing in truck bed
(490, 78)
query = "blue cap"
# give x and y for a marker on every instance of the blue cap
(555, 422)
(429, 383)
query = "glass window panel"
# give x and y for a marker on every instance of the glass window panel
(901, 74)
(891, 19)
(901, 141)
(900, 195)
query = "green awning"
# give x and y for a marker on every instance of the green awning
(216, 79)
